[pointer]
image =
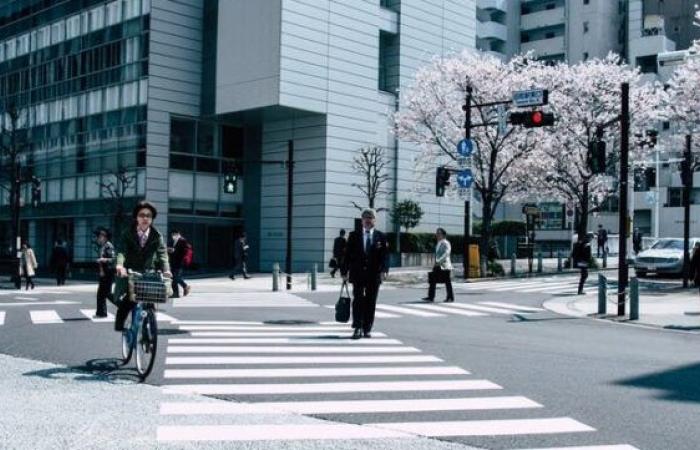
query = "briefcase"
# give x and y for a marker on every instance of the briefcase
(342, 306)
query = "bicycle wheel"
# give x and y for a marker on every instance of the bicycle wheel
(146, 344)
(127, 347)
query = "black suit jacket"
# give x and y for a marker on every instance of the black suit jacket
(178, 253)
(365, 267)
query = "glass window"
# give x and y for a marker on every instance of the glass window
(231, 142)
(130, 94)
(2, 51)
(58, 32)
(70, 107)
(97, 18)
(41, 114)
(56, 111)
(143, 91)
(133, 49)
(145, 7)
(23, 44)
(94, 102)
(182, 135)
(114, 12)
(43, 37)
(132, 9)
(84, 22)
(112, 98)
(181, 162)
(73, 26)
(82, 105)
(10, 48)
(206, 139)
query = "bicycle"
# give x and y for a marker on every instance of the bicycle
(141, 327)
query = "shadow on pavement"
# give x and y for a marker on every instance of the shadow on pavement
(679, 384)
(109, 370)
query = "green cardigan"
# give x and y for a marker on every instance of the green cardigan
(130, 255)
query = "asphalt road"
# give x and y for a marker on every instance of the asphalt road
(612, 384)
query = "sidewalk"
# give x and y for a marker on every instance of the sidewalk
(677, 309)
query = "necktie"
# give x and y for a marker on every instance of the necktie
(368, 241)
(142, 239)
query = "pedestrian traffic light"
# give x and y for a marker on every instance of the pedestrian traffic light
(442, 179)
(230, 183)
(532, 119)
(36, 191)
(596, 156)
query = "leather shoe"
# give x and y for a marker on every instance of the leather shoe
(427, 299)
(188, 288)
(357, 334)
(367, 334)
(449, 300)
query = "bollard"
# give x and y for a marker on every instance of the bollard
(275, 277)
(314, 275)
(602, 294)
(559, 265)
(512, 265)
(605, 260)
(539, 262)
(634, 299)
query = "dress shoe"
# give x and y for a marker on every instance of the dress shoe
(187, 289)
(99, 316)
(232, 277)
(357, 334)
(449, 300)
(367, 334)
(428, 299)
(247, 277)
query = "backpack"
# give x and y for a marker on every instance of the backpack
(187, 257)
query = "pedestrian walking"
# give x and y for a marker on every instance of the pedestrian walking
(695, 265)
(180, 257)
(442, 270)
(602, 239)
(140, 248)
(365, 265)
(338, 252)
(28, 265)
(580, 256)
(105, 271)
(637, 241)
(59, 261)
(240, 255)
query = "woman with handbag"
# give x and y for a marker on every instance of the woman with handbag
(442, 270)
(28, 265)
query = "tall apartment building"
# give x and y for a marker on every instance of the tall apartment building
(181, 91)
(555, 30)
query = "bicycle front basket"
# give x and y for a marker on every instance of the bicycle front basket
(151, 289)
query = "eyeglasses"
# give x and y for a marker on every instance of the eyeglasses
(145, 216)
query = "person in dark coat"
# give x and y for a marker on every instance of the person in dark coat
(338, 251)
(141, 248)
(602, 239)
(695, 264)
(105, 267)
(637, 241)
(240, 255)
(177, 262)
(365, 265)
(580, 256)
(60, 259)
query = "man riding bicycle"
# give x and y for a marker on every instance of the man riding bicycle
(141, 249)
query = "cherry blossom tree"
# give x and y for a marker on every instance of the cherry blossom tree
(583, 97)
(431, 117)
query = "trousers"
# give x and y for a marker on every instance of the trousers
(364, 304)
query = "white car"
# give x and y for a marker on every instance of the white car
(665, 256)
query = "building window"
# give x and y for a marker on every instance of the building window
(206, 139)
(388, 77)
(232, 142)
(182, 134)
(550, 6)
(647, 64)
(585, 27)
(675, 197)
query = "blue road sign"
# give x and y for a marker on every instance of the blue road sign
(465, 147)
(465, 178)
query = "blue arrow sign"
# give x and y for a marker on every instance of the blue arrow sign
(465, 178)
(465, 147)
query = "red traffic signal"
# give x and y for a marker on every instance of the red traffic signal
(532, 119)
(442, 180)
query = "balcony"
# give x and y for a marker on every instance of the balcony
(491, 31)
(492, 5)
(542, 19)
(545, 47)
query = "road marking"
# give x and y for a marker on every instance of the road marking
(2, 317)
(373, 341)
(90, 314)
(535, 287)
(377, 314)
(288, 349)
(509, 284)
(488, 427)
(273, 432)
(449, 311)
(348, 406)
(589, 447)
(31, 299)
(313, 372)
(57, 302)
(233, 305)
(45, 316)
(275, 334)
(552, 288)
(514, 306)
(267, 328)
(162, 317)
(482, 308)
(299, 359)
(318, 388)
(215, 322)
(410, 312)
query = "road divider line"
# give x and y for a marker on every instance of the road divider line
(348, 406)
(319, 388)
(410, 312)
(180, 360)
(315, 372)
(289, 349)
(31, 299)
(42, 317)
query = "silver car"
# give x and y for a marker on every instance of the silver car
(665, 256)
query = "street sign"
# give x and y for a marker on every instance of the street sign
(465, 147)
(465, 178)
(532, 97)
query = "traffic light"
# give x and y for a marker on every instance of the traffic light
(596, 155)
(652, 136)
(532, 119)
(442, 179)
(36, 191)
(230, 183)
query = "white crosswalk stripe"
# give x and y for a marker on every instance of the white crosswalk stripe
(589, 447)
(489, 309)
(2, 317)
(90, 314)
(408, 311)
(446, 310)
(513, 306)
(45, 317)
(377, 314)
(323, 373)
(242, 300)
(553, 285)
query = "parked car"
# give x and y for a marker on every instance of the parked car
(665, 257)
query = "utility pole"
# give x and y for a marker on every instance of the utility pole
(467, 202)
(687, 178)
(290, 201)
(623, 271)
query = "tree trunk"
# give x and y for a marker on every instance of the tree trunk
(486, 226)
(582, 229)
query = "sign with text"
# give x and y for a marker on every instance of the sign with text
(531, 97)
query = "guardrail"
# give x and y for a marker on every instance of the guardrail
(604, 296)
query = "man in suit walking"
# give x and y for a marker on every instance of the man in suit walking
(365, 265)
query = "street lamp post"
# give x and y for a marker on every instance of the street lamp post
(687, 179)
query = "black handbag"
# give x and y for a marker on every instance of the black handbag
(342, 306)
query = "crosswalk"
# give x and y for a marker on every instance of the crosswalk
(547, 285)
(432, 310)
(316, 369)
(243, 300)
(54, 317)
